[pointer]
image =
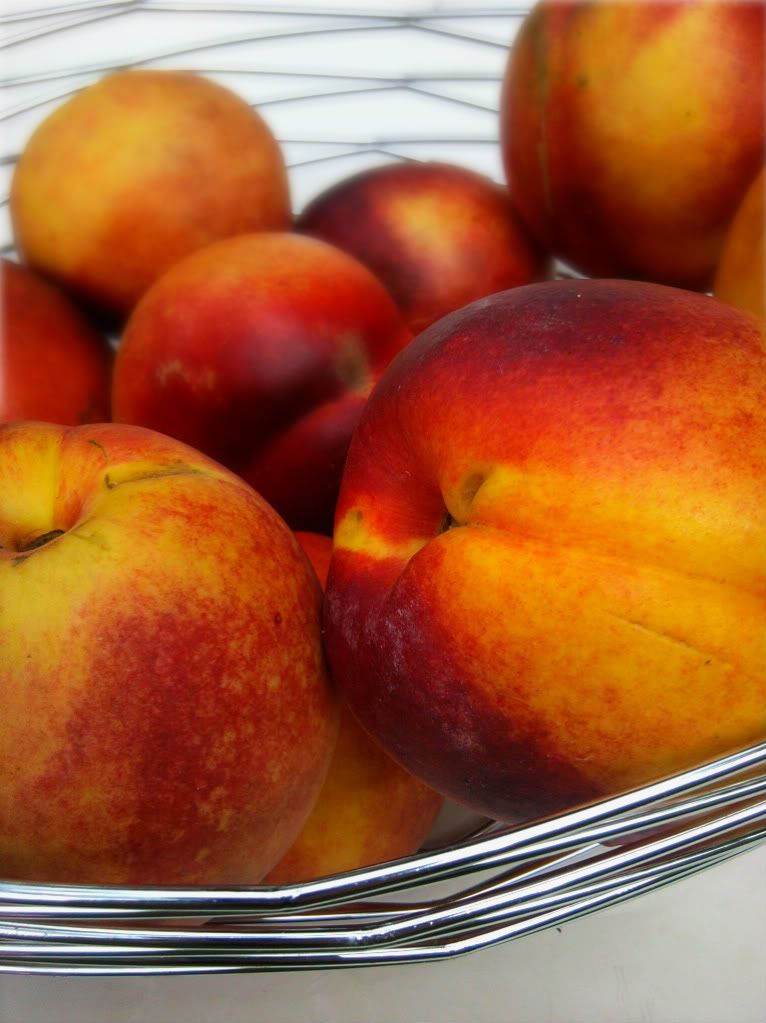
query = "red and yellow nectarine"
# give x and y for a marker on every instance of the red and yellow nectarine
(548, 580)
(630, 130)
(437, 235)
(165, 716)
(135, 172)
(260, 351)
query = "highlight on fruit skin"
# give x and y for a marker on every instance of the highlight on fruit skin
(437, 235)
(165, 714)
(630, 130)
(548, 581)
(135, 172)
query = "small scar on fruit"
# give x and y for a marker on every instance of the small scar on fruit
(93, 538)
(175, 469)
(100, 447)
(277, 618)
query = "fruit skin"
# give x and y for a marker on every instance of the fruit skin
(369, 810)
(165, 716)
(260, 351)
(630, 131)
(55, 365)
(437, 235)
(137, 171)
(741, 278)
(548, 580)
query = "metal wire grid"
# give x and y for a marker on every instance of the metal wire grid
(433, 91)
(503, 882)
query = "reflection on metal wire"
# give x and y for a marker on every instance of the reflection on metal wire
(559, 870)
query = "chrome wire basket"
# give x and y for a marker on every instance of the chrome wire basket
(513, 881)
(500, 882)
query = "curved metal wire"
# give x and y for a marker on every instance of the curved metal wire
(560, 869)
(495, 885)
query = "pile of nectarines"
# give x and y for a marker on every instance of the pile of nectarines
(535, 505)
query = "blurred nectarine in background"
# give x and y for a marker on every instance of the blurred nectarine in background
(135, 172)
(630, 130)
(438, 236)
(54, 364)
(260, 351)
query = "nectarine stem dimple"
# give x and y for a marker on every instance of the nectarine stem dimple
(41, 540)
(447, 522)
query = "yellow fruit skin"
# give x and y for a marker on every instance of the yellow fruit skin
(137, 171)
(165, 717)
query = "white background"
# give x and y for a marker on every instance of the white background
(690, 954)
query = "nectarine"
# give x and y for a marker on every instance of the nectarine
(54, 365)
(135, 172)
(548, 581)
(260, 351)
(437, 235)
(165, 716)
(630, 130)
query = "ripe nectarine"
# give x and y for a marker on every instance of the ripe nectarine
(438, 236)
(631, 129)
(135, 172)
(165, 716)
(260, 351)
(54, 365)
(548, 581)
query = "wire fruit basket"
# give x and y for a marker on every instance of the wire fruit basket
(499, 882)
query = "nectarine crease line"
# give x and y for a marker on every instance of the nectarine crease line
(678, 640)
